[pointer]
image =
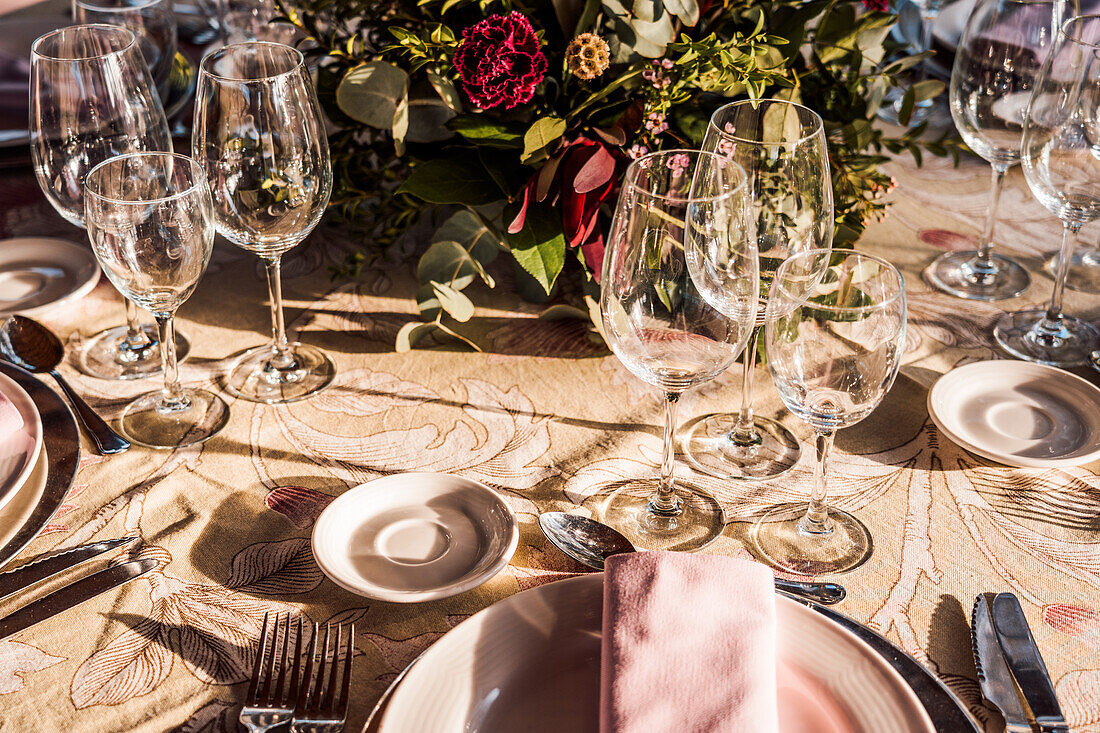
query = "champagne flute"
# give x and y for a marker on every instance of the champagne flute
(260, 137)
(153, 24)
(682, 215)
(91, 98)
(781, 145)
(1061, 146)
(835, 335)
(151, 223)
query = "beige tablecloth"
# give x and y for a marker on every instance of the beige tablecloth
(545, 415)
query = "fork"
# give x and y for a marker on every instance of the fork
(319, 709)
(266, 708)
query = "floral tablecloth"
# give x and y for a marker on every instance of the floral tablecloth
(548, 417)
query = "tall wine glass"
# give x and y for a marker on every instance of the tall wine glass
(681, 215)
(152, 22)
(151, 223)
(835, 336)
(781, 146)
(91, 98)
(260, 137)
(1060, 155)
(996, 66)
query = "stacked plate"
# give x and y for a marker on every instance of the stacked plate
(22, 462)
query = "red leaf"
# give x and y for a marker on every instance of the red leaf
(593, 255)
(1082, 623)
(947, 239)
(300, 505)
(595, 172)
(546, 177)
(528, 191)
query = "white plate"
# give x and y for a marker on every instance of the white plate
(23, 502)
(1019, 413)
(19, 450)
(37, 275)
(414, 537)
(532, 663)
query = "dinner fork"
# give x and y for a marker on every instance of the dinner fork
(319, 709)
(266, 707)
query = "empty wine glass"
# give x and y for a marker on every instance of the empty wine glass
(996, 67)
(835, 335)
(1061, 145)
(91, 98)
(153, 24)
(260, 137)
(681, 215)
(781, 145)
(151, 223)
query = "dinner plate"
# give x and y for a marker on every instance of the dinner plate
(412, 537)
(19, 450)
(532, 662)
(37, 275)
(1019, 413)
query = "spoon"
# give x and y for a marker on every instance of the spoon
(590, 543)
(30, 345)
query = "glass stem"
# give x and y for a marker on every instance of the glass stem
(136, 344)
(744, 432)
(665, 502)
(281, 356)
(983, 262)
(172, 397)
(1053, 319)
(816, 520)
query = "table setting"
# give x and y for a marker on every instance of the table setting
(624, 369)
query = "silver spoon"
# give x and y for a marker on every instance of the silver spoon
(590, 543)
(30, 345)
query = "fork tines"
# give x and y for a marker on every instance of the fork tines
(268, 701)
(320, 701)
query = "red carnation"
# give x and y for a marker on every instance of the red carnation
(876, 4)
(500, 61)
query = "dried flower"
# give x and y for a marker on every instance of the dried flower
(587, 56)
(500, 61)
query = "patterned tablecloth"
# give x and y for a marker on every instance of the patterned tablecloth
(547, 416)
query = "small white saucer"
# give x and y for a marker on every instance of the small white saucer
(414, 537)
(1019, 413)
(39, 274)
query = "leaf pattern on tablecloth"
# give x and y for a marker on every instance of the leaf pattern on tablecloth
(275, 568)
(17, 660)
(543, 566)
(298, 504)
(947, 239)
(964, 324)
(362, 393)
(399, 653)
(1080, 623)
(1079, 694)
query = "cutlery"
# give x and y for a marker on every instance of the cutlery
(1026, 664)
(51, 563)
(590, 542)
(74, 594)
(993, 673)
(30, 345)
(320, 709)
(266, 707)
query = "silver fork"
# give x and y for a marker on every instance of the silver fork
(267, 707)
(319, 708)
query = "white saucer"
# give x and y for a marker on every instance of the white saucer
(19, 450)
(1019, 413)
(39, 274)
(414, 537)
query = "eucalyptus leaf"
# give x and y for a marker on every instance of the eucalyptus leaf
(410, 333)
(457, 305)
(428, 119)
(428, 303)
(446, 91)
(447, 262)
(686, 10)
(371, 92)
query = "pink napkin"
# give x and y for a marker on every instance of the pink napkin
(689, 645)
(10, 419)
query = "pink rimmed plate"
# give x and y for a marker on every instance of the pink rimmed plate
(18, 450)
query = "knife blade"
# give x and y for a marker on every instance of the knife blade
(51, 563)
(994, 676)
(74, 594)
(1026, 664)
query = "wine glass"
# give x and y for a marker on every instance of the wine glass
(835, 335)
(996, 66)
(91, 98)
(259, 135)
(1061, 145)
(682, 215)
(781, 145)
(151, 223)
(152, 22)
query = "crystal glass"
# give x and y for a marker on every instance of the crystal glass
(1083, 273)
(151, 223)
(91, 98)
(259, 135)
(835, 336)
(895, 99)
(152, 22)
(682, 215)
(781, 146)
(1061, 159)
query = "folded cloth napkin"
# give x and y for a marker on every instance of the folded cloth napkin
(10, 419)
(689, 645)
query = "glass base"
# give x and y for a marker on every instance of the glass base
(100, 355)
(146, 422)
(780, 540)
(254, 378)
(954, 273)
(1024, 335)
(711, 449)
(698, 523)
(1084, 270)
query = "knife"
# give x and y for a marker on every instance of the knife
(1026, 664)
(51, 563)
(73, 594)
(994, 676)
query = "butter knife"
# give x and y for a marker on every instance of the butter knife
(51, 563)
(74, 594)
(994, 676)
(1026, 664)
